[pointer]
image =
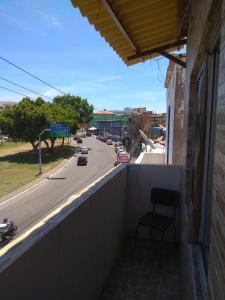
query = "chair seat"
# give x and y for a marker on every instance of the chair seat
(156, 221)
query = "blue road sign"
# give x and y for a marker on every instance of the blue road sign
(59, 130)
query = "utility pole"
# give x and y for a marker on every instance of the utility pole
(120, 127)
(39, 145)
(105, 127)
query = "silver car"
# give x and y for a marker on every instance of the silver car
(84, 150)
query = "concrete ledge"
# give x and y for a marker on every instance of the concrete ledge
(71, 249)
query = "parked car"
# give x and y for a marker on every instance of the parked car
(83, 135)
(79, 141)
(109, 142)
(104, 139)
(122, 153)
(76, 137)
(82, 161)
(4, 137)
(119, 143)
(120, 149)
(84, 150)
(122, 159)
(88, 134)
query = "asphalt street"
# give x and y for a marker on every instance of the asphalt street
(28, 208)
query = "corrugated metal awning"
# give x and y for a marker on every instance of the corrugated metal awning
(138, 29)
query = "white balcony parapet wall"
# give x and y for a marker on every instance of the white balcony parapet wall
(150, 158)
(71, 254)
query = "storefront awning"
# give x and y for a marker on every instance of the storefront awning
(138, 29)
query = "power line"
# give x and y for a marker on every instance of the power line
(24, 88)
(15, 92)
(32, 75)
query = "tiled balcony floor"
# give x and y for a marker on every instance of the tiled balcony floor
(144, 280)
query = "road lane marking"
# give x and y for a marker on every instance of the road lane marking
(36, 185)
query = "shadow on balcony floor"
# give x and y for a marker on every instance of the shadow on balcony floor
(144, 280)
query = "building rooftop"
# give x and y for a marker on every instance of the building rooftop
(104, 112)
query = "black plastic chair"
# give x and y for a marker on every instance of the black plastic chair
(157, 221)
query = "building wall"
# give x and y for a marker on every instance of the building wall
(175, 100)
(217, 242)
(178, 132)
(204, 27)
(170, 100)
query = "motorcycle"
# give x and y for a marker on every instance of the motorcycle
(8, 229)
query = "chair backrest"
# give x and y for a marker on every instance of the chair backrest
(165, 197)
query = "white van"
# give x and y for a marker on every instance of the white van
(84, 150)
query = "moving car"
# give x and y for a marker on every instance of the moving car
(88, 133)
(84, 150)
(82, 161)
(83, 135)
(79, 141)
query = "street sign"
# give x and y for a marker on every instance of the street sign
(59, 130)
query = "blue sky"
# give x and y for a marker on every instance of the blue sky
(51, 39)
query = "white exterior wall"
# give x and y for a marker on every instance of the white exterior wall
(170, 101)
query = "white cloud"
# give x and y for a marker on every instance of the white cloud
(51, 19)
(147, 74)
(88, 87)
(51, 93)
(10, 20)
(105, 79)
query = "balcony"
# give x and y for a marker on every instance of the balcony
(83, 250)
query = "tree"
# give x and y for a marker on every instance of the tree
(28, 118)
(78, 104)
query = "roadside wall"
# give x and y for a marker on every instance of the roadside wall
(74, 258)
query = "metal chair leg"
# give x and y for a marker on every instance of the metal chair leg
(161, 248)
(151, 235)
(135, 241)
(174, 230)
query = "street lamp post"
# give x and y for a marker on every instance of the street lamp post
(39, 144)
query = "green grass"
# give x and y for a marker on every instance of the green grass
(20, 168)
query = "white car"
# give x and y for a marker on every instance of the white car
(84, 150)
(120, 149)
(122, 153)
(109, 142)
